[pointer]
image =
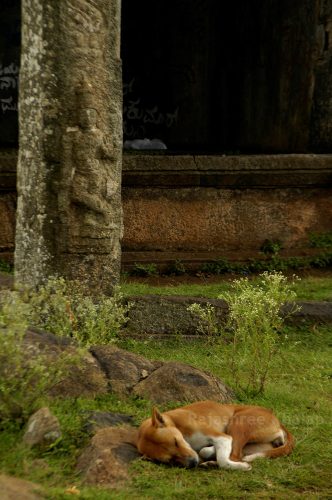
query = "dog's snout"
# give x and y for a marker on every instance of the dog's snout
(191, 462)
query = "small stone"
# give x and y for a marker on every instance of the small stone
(43, 429)
(105, 460)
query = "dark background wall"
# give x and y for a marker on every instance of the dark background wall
(221, 76)
(9, 65)
(211, 75)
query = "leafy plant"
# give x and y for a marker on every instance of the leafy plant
(253, 326)
(26, 374)
(255, 320)
(141, 269)
(177, 267)
(271, 247)
(5, 267)
(65, 308)
(321, 240)
(219, 266)
(207, 321)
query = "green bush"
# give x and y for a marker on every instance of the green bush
(252, 329)
(321, 240)
(25, 373)
(66, 309)
(140, 269)
(207, 321)
(62, 308)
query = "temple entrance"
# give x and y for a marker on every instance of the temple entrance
(222, 77)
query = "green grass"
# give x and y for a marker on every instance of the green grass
(299, 392)
(311, 288)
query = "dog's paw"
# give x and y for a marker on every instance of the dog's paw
(208, 453)
(236, 466)
(248, 466)
(242, 466)
(209, 464)
(251, 458)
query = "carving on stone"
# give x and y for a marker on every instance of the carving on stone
(85, 173)
(69, 175)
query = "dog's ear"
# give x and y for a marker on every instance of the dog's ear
(157, 418)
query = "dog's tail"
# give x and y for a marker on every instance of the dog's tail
(284, 449)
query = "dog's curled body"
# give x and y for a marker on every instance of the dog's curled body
(233, 435)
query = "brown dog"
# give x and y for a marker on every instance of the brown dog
(233, 435)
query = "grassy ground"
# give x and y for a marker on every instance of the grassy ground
(299, 391)
(307, 288)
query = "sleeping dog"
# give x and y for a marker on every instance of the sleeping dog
(233, 435)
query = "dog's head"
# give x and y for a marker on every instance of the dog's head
(160, 440)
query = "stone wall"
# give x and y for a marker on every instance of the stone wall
(203, 207)
(223, 205)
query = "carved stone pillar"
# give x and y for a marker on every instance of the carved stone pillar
(69, 217)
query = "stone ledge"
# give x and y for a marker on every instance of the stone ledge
(194, 260)
(242, 171)
(168, 315)
(217, 171)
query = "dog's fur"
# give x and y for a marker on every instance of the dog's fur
(233, 435)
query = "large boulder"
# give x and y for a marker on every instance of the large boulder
(123, 369)
(83, 377)
(105, 460)
(96, 420)
(179, 382)
(108, 368)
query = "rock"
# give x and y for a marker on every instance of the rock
(108, 368)
(98, 420)
(105, 461)
(166, 315)
(43, 429)
(83, 378)
(123, 369)
(13, 488)
(179, 382)
(309, 312)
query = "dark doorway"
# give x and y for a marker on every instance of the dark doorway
(10, 40)
(219, 76)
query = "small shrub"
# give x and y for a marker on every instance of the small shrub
(177, 267)
(252, 329)
(219, 266)
(141, 269)
(5, 267)
(271, 247)
(25, 373)
(255, 320)
(207, 321)
(321, 240)
(66, 309)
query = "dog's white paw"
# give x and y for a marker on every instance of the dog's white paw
(242, 466)
(207, 453)
(235, 465)
(251, 458)
(209, 464)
